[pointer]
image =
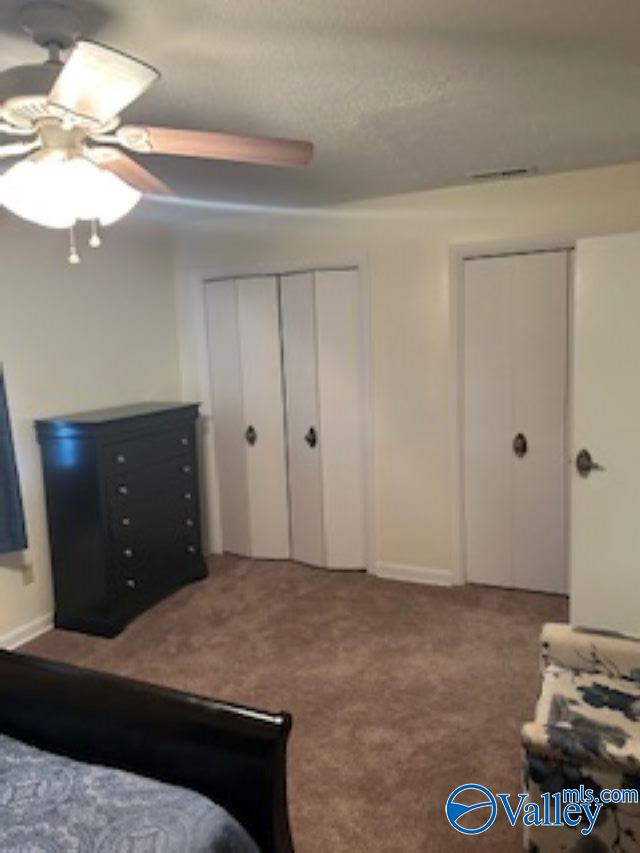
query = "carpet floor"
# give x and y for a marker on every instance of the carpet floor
(399, 692)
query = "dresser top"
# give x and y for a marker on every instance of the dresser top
(113, 416)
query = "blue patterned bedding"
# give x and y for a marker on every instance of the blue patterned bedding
(51, 804)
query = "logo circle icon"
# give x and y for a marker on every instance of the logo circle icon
(456, 811)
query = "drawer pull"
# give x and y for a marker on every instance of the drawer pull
(128, 552)
(189, 522)
(184, 441)
(123, 490)
(187, 496)
(126, 521)
(191, 549)
(186, 469)
(121, 458)
(131, 583)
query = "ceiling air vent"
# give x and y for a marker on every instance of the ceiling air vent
(502, 174)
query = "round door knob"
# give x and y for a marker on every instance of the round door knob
(191, 549)
(123, 490)
(520, 445)
(187, 496)
(184, 441)
(131, 583)
(126, 521)
(128, 552)
(121, 458)
(189, 522)
(186, 469)
(585, 463)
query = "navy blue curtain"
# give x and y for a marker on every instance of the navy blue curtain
(13, 535)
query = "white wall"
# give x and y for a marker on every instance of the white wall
(74, 338)
(404, 246)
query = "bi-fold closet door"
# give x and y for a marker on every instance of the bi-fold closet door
(288, 392)
(299, 348)
(245, 355)
(515, 393)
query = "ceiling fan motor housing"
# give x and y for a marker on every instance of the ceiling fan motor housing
(50, 24)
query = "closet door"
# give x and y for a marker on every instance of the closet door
(304, 441)
(263, 404)
(340, 395)
(226, 377)
(488, 422)
(514, 409)
(539, 321)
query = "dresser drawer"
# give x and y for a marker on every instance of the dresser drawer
(173, 477)
(139, 565)
(155, 519)
(148, 449)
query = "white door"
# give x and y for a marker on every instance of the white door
(540, 297)
(297, 293)
(226, 377)
(342, 429)
(605, 505)
(488, 422)
(263, 405)
(515, 368)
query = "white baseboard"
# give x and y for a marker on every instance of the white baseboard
(25, 633)
(414, 574)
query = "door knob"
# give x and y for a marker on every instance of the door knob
(520, 445)
(585, 464)
(311, 437)
(251, 435)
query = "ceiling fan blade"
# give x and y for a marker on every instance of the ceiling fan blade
(10, 130)
(97, 82)
(216, 146)
(15, 149)
(125, 167)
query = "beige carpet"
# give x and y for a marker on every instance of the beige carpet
(399, 692)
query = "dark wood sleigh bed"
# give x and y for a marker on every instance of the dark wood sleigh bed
(233, 755)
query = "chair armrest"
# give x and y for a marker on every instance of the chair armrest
(233, 755)
(615, 655)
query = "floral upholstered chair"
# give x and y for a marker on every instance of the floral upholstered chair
(586, 732)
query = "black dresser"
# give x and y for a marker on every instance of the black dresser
(122, 502)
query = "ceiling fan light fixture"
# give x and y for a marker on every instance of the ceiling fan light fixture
(114, 198)
(34, 190)
(57, 193)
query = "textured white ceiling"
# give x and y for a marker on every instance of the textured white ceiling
(397, 95)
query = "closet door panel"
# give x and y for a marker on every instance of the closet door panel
(226, 377)
(301, 390)
(539, 298)
(340, 391)
(488, 422)
(260, 348)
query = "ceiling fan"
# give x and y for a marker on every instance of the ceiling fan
(71, 142)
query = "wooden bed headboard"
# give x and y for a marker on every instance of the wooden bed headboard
(233, 755)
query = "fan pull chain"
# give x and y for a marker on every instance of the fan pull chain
(95, 241)
(74, 257)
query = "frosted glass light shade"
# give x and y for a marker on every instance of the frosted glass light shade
(56, 193)
(36, 191)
